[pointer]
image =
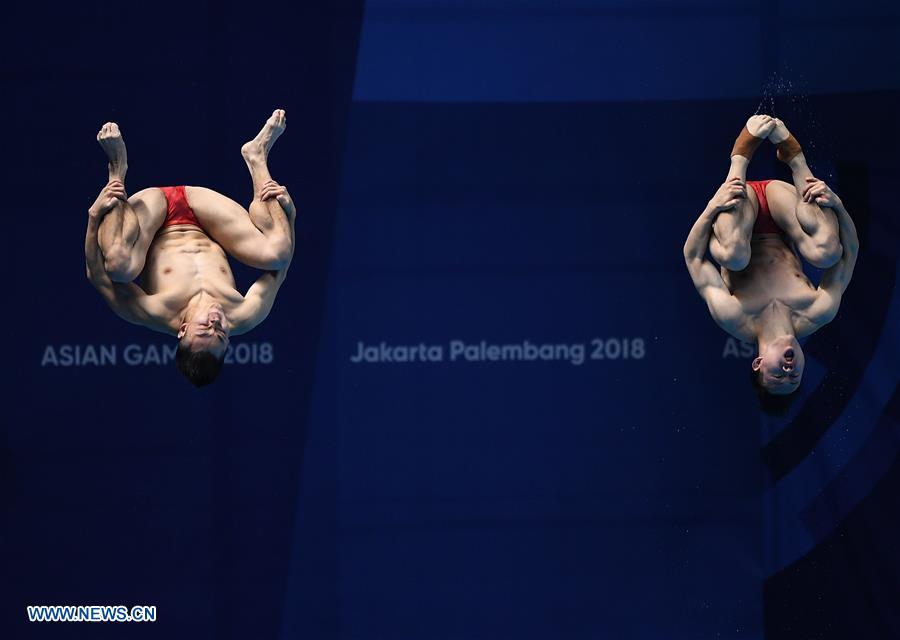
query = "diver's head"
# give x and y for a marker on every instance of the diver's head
(779, 366)
(202, 341)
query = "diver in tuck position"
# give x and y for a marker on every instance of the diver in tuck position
(176, 239)
(759, 292)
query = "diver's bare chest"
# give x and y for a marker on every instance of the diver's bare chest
(771, 278)
(185, 267)
(183, 270)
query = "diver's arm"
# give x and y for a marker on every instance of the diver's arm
(726, 197)
(260, 296)
(725, 309)
(93, 258)
(258, 301)
(836, 278)
(127, 300)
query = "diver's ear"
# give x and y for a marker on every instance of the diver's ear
(182, 330)
(757, 363)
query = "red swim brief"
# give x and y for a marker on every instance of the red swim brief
(764, 221)
(178, 211)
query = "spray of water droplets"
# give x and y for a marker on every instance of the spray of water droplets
(783, 96)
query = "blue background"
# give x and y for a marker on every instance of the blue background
(494, 170)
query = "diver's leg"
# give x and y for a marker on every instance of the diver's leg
(126, 232)
(729, 242)
(732, 230)
(272, 214)
(813, 229)
(262, 236)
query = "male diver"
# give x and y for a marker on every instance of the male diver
(759, 292)
(176, 239)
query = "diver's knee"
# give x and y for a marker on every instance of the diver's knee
(735, 256)
(279, 253)
(118, 265)
(826, 254)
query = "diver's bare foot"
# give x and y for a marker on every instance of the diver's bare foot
(257, 150)
(110, 138)
(780, 133)
(789, 149)
(751, 136)
(761, 126)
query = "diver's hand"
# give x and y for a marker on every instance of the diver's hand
(110, 196)
(729, 195)
(820, 193)
(272, 189)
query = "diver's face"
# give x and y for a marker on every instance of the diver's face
(207, 330)
(781, 366)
